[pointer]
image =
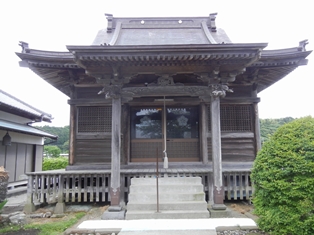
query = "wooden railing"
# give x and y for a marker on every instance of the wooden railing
(93, 186)
(237, 185)
(51, 187)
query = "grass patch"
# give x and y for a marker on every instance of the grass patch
(56, 228)
(53, 228)
(9, 228)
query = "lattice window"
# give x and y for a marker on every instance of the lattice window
(94, 119)
(236, 118)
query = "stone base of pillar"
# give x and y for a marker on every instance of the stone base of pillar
(113, 215)
(29, 208)
(219, 207)
(114, 208)
(60, 208)
(219, 213)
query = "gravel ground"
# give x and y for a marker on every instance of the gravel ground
(240, 232)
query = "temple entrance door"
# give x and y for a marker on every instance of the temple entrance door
(150, 127)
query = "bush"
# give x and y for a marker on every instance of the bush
(283, 178)
(55, 163)
(52, 151)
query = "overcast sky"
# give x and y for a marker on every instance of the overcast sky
(51, 25)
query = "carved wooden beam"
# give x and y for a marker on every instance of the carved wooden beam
(210, 78)
(219, 90)
(115, 92)
(179, 90)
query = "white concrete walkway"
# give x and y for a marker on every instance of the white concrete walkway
(168, 226)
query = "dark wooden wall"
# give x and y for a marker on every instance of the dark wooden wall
(237, 132)
(235, 149)
(238, 140)
(93, 151)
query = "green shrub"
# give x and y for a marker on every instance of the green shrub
(55, 163)
(2, 204)
(52, 151)
(283, 174)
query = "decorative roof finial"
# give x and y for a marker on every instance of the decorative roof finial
(24, 46)
(109, 26)
(302, 44)
(212, 23)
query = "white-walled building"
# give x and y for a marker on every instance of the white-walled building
(22, 145)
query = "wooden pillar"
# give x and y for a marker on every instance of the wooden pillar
(256, 122)
(218, 188)
(115, 151)
(125, 129)
(257, 128)
(204, 131)
(72, 134)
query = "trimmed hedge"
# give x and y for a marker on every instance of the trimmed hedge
(55, 163)
(283, 176)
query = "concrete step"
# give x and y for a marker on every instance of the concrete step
(191, 188)
(17, 191)
(175, 206)
(165, 214)
(167, 181)
(166, 197)
(179, 198)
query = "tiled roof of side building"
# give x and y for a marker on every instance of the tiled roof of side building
(25, 129)
(18, 106)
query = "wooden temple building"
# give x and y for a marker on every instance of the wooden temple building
(174, 89)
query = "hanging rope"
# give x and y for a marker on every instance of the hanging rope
(165, 135)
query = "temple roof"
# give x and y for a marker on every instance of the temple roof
(161, 31)
(135, 51)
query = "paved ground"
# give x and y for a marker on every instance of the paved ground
(14, 203)
(168, 224)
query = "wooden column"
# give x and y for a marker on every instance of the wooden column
(72, 134)
(72, 137)
(257, 128)
(115, 151)
(204, 131)
(216, 154)
(125, 129)
(256, 123)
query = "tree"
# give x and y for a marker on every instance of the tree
(52, 151)
(61, 132)
(283, 179)
(269, 126)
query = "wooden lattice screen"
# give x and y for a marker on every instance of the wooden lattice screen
(94, 119)
(237, 118)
